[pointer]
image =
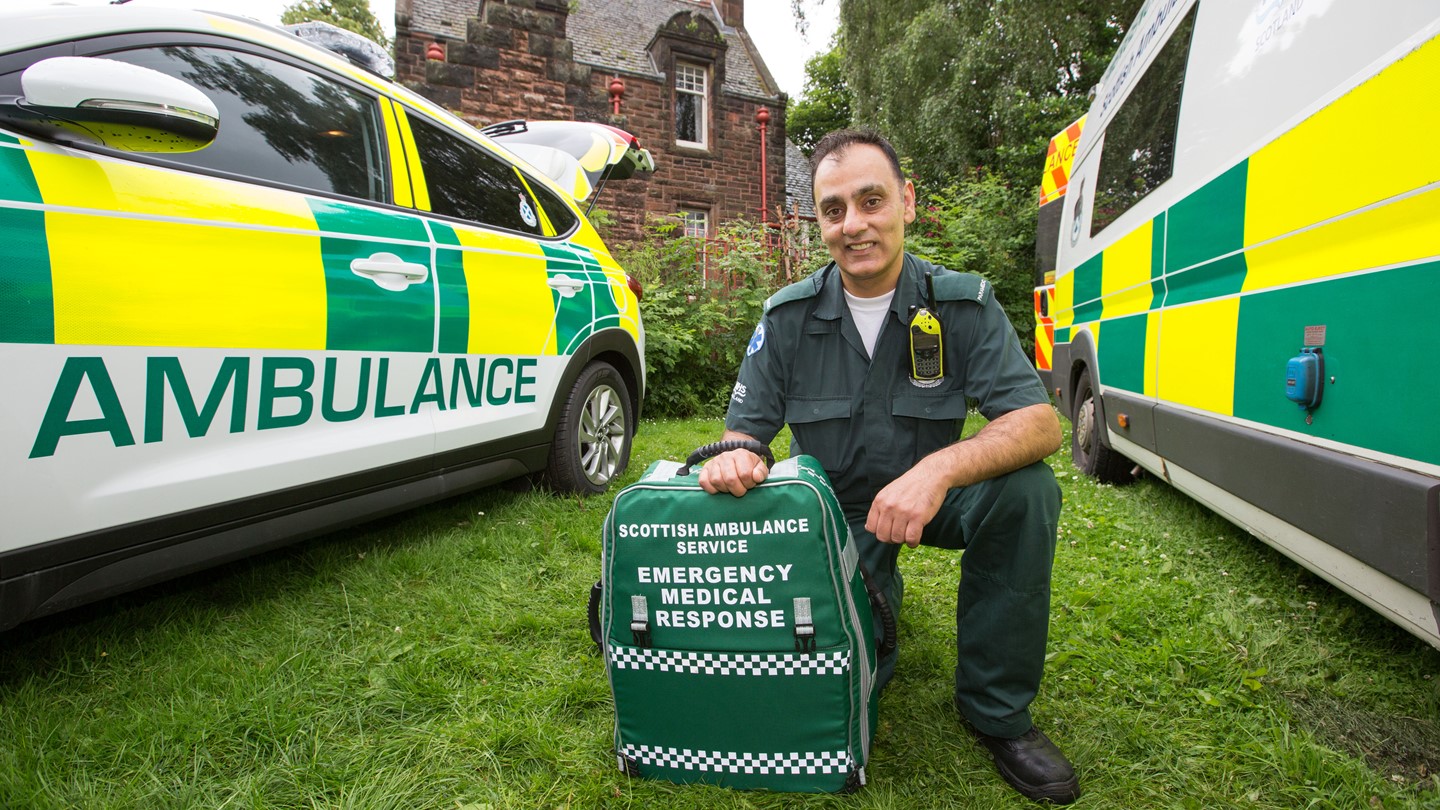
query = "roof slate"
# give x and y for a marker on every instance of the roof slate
(797, 181)
(446, 17)
(616, 35)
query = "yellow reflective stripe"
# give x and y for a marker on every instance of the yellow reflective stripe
(399, 180)
(412, 158)
(1386, 128)
(545, 226)
(1125, 284)
(184, 284)
(144, 256)
(512, 311)
(1395, 233)
(1062, 300)
(1197, 355)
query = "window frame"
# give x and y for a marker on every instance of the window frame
(1103, 194)
(106, 44)
(691, 214)
(702, 115)
(377, 176)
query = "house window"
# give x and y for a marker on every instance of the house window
(691, 82)
(697, 222)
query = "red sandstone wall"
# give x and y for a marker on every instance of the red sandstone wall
(517, 64)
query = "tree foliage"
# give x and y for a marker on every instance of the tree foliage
(980, 224)
(970, 93)
(352, 15)
(958, 86)
(825, 103)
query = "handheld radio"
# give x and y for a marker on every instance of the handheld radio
(927, 351)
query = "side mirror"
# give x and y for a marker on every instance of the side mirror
(101, 102)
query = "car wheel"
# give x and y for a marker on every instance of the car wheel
(1087, 446)
(592, 440)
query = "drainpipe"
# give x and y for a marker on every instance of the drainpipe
(762, 117)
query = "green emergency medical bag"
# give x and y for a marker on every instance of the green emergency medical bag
(738, 633)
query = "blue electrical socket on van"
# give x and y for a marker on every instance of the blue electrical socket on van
(1305, 378)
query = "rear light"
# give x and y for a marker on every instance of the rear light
(635, 287)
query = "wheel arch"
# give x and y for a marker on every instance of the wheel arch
(1081, 357)
(614, 346)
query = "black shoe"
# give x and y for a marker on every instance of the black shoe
(1034, 766)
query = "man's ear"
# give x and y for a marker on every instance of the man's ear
(909, 196)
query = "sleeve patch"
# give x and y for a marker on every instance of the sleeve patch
(757, 340)
(963, 287)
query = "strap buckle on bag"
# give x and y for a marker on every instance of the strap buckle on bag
(804, 625)
(640, 621)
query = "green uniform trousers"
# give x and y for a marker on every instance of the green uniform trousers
(1006, 526)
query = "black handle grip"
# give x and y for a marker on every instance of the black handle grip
(597, 591)
(716, 448)
(881, 606)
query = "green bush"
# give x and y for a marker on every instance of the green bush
(702, 301)
(983, 226)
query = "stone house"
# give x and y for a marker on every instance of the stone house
(681, 75)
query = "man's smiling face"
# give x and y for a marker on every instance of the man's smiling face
(863, 210)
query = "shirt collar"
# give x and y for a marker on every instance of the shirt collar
(909, 290)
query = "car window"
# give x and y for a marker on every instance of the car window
(561, 216)
(467, 182)
(278, 123)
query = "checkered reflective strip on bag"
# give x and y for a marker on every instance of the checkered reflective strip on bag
(696, 663)
(803, 762)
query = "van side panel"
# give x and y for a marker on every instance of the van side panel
(1303, 211)
(1375, 401)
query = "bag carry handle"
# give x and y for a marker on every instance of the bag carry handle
(716, 448)
(881, 606)
(597, 591)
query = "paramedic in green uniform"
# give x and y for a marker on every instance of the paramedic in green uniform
(831, 357)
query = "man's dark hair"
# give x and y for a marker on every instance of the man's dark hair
(841, 139)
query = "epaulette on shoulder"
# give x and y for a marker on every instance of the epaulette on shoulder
(962, 287)
(807, 287)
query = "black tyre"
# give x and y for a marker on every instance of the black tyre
(592, 440)
(1087, 439)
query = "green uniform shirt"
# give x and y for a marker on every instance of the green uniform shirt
(868, 421)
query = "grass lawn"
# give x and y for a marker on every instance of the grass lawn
(440, 659)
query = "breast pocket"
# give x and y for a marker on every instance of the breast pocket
(821, 427)
(934, 420)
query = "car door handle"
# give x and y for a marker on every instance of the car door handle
(389, 271)
(565, 285)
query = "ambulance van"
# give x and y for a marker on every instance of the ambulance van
(1247, 243)
(251, 293)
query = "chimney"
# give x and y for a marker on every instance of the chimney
(733, 13)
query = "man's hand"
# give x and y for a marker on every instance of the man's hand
(1021, 437)
(734, 471)
(901, 511)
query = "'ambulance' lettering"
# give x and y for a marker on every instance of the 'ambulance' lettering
(284, 396)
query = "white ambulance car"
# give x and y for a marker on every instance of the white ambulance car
(1249, 238)
(250, 293)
